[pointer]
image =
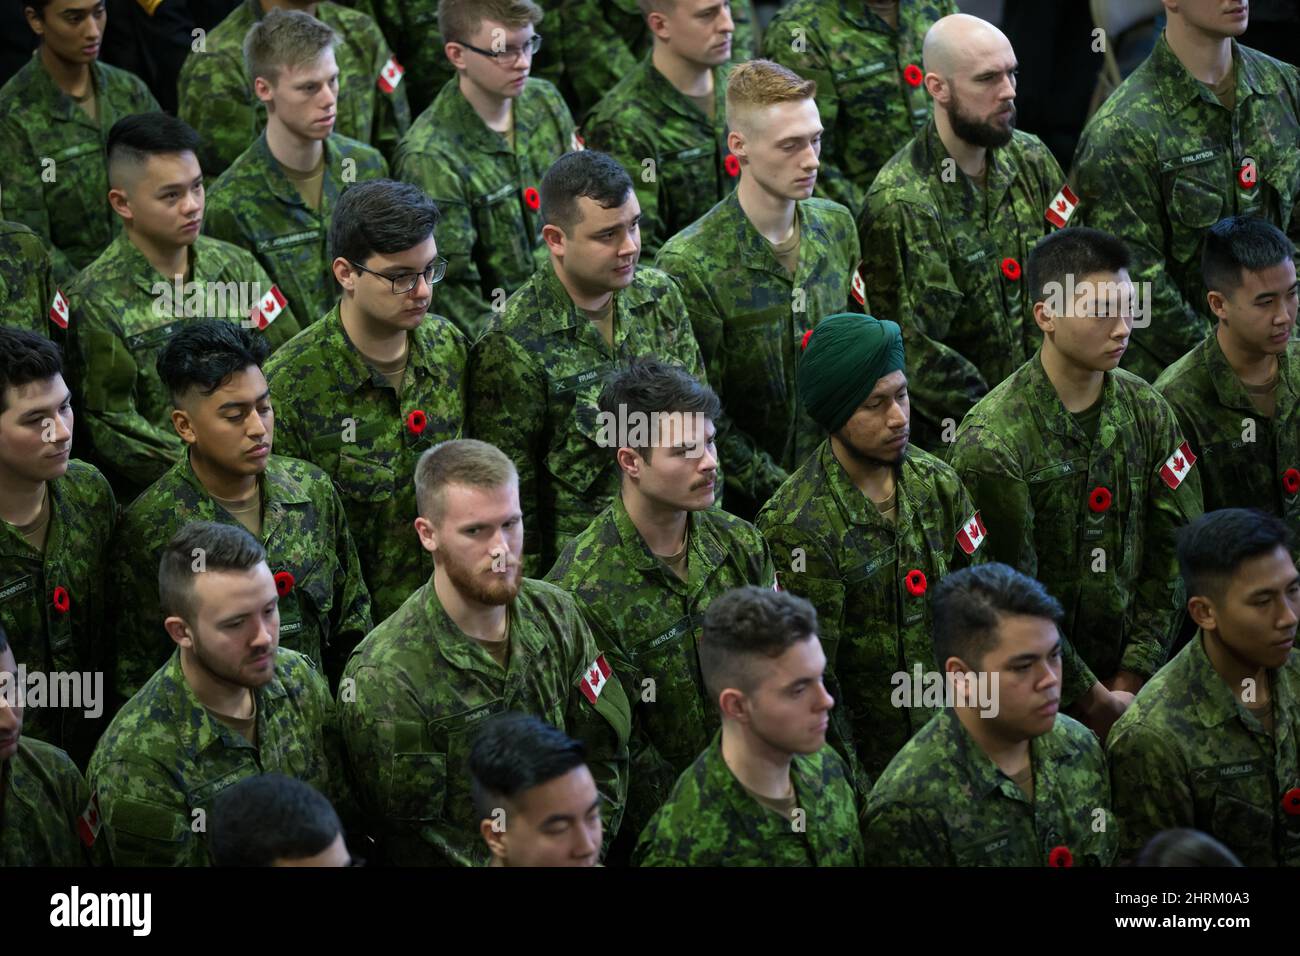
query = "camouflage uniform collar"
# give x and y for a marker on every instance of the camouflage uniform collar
(453, 112)
(758, 822)
(1045, 405)
(196, 728)
(57, 104)
(278, 489)
(1001, 170)
(351, 370)
(857, 13)
(755, 251)
(667, 96)
(1228, 387)
(464, 653)
(1213, 702)
(21, 774)
(130, 264)
(1177, 86)
(983, 777)
(14, 545)
(856, 506)
(277, 182)
(703, 542)
(556, 311)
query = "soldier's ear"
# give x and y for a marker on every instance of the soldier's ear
(1044, 319)
(736, 143)
(1201, 610)
(554, 238)
(121, 204)
(1218, 304)
(936, 87)
(262, 89)
(455, 54)
(184, 427)
(344, 275)
(427, 534)
(658, 24)
(733, 704)
(630, 462)
(178, 631)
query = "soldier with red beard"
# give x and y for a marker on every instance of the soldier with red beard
(476, 640)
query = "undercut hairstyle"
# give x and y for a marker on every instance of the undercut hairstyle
(652, 391)
(222, 547)
(458, 20)
(968, 607)
(745, 624)
(1077, 251)
(462, 461)
(381, 217)
(285, 38)
(761, 83)
(25, 357)
(512, 754)
(1236, 244)
(270, 817)
(205, 354)
(1185, 847)
(133, 139)
(588, 174)
(1213, 547)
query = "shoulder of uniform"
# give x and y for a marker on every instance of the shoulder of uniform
(931, 468)
(292, 669)
(731, 527)
(620, 98)
(51, 759)
(85, 477)
(354, 148)
(1069, 734)
(357, 20)
(212, 246)
(829, 208)
(304, 472)
(651, 285)
(18, 233)
(438, 331)
(1184, 375)
(548, 594)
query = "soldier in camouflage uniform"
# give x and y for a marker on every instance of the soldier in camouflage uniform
(27, 286)
(53, 138)
(768, 790)
(759, 270)
(277, 198)
(1190, 137)
(216, 92)
(411, 28)
(229, 704)
(1082, 469)
(56, 520)
(601, 41)
(644, 571)
(126, 305)
(960, 792)
(480, 151)
(666, 119)
(366, 390)
(535, 375)
(476, 640)
(1237, 394)
(46, 815)
(1211, 742)
(222, 412)
(948, 225)
(866, 61)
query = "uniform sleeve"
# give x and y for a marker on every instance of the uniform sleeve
(289, 439)
(392, 116)
(585, 31)
(899, 834)
(617, 136)
(136, 621)
(350, 595)
(325, 713)
(146, 817)
(24, 194)
(213, 99)
(286, 324)
(1150, 791)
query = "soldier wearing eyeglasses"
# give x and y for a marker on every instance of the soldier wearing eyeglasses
(378, 380)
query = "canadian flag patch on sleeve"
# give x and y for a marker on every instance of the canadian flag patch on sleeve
(391, 75)
(858, 288)
(972, 534)
(1179, 464)
(594, 679)
(1062, 207)
(271, 305)
(59, 309)
(89, 823)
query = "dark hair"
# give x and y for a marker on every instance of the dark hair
(968, 606)
(380, 217)
(1215, 545)
(745, 623)
(1077, 251)
(515, 752)
(26, 357)
(648, 387)
(206, 353)
(586, 173)
(134, 138)
(270, 817)
(220, 547)
(1185, 847)
(1238, 243)
(37, 5)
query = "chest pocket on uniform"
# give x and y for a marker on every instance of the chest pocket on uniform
(690, 183)
(460, 730)
(579, 460)
(362, 480)
(153, 833)
(415, 785)
(1194, 205)
(499, 222)
(669, 659)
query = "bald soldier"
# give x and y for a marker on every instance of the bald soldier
(949, 223)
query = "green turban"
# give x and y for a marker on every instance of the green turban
(843, 358)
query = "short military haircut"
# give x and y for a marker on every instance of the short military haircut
(204, 355)
(133, 139)
(285, 38)
(1077, 251)
(652, 391)
(758, 84)
(968, 607)
(586, 173)
(198, 548)
(512, 754)
(463, 461)
(1215, 545)
(25, 357)
(745, 624)
(459, 19)
(270, 817)
(1236, 244)
(381, 217)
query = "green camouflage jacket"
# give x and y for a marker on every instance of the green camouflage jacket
(710, 819)
(416, 690)
(945, 259)
(326, 611)
(411, 28)
(534, 380)
(1187, 753)
(1159, 163)
(750, 316)
(55, 175)
(868, 106)
(255, 206)
(1094, 522)
(490, 233)
(123, 312)
(27, 284)
(216, 93)
(45, 638)
(334, 409)
(943, 802)
(46, 815)
(164, 757)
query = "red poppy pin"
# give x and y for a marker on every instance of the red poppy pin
(1291, 801)
(732, 165)
(803, 345)
(1060, 856)
(283, 583)
(1248, 174)
(1099, 499)
(62, 601)
(1011, 269)
(1291, 481)
(913, 75)
(915, 582)
(416, 422)
(532, 198)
